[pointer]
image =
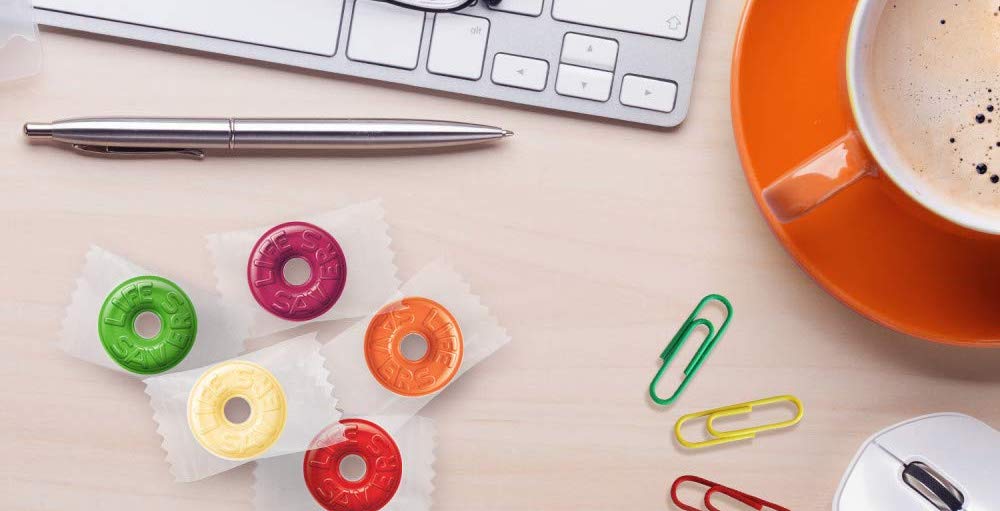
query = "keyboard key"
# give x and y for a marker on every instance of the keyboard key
(528, 7)
(385, 34)
(581, 82)
(458, 46)
(520, 72)
(593, 52)
(649, 93)
(661, 18)
(263, 22)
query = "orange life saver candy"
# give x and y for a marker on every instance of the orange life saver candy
(428, 319)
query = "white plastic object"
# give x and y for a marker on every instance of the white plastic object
(962, 449)
(20, 50)
(279, 483)
(360, 394)
(309, 404)
(309, 26)
(363, 235)
(220, 335)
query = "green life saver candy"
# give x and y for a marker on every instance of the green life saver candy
(138, 354)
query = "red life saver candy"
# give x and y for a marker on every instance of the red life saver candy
(383, 467)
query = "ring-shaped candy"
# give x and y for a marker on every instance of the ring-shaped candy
(383, 467)
(427, 319)
(133, 352)
(327, 266)
(207, 416)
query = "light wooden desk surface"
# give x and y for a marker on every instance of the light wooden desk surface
(591, 241)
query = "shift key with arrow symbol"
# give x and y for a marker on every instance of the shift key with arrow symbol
(658, 18)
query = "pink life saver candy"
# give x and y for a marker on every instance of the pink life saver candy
(327, 266)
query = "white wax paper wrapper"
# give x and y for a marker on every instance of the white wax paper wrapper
(218, 337)
(20, 50)
(360, 394)
(280, 485)
(299, 369)
(362, 234)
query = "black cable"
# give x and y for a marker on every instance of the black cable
(465, 4)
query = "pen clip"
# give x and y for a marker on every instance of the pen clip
(196, 154)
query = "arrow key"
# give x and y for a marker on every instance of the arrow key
(649, 93)
(585, 83)
(520, 72)
(593, 52)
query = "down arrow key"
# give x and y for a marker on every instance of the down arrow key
(585, 83)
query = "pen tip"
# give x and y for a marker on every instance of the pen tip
(37, 130)
(508, 133)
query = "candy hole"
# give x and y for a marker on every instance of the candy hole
(353, 468)
(237, 410)
(147, 325)
(413, 347)
(296, 271)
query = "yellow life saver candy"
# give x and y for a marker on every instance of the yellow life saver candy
(233, 380)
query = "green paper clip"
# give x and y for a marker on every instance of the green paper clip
(693, 322)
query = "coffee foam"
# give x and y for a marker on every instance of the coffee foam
(936, 73)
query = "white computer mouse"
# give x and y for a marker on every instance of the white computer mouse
(945, 462)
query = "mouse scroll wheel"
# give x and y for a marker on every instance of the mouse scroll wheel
(933, 487)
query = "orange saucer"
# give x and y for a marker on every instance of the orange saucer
(871, 246)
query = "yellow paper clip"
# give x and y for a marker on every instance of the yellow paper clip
(722, 437)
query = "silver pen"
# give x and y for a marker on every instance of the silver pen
(134, 136)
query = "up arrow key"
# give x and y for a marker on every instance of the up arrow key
(591, 52)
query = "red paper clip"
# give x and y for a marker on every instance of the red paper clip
(754, 502)
(683, 479)
(713, 488)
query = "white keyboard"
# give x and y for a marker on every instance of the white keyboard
(632, 60)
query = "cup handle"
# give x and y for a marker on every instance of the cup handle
(822, 176)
